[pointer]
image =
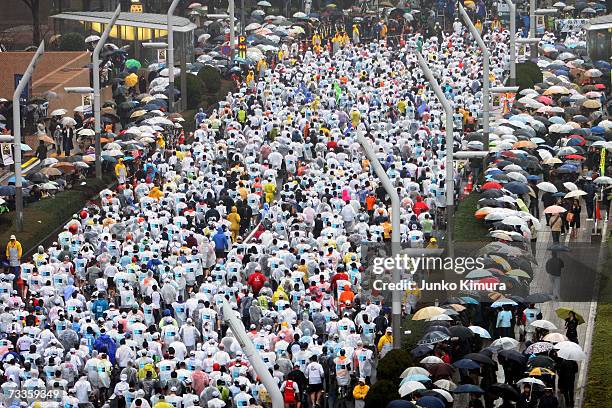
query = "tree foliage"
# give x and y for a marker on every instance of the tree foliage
(527, 75)
(211, 78)
(72, 42)
(195, 91)
(393, 364)
(381, 393)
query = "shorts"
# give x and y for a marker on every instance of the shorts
(315, 387)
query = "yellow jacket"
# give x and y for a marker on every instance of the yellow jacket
(234, 219)
(163, 404)
(360, 391)
(279, 294)
(120, 169)
(384, 340)
(13, 245)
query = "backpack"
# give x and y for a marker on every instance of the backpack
(289, 393)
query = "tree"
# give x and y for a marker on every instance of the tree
(34, 6)
(211, 78)
(72, 42)
(195, 91)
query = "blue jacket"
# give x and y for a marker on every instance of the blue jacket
(220, 240)
(105, 344)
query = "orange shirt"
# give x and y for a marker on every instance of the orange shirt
(370, 201)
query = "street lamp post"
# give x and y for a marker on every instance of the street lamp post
(485, 80)
(396, 306)
(170, 56)
(533, 49)
(25, 80)
(512, 8)
(96, 90)
(450, 174)
(232, 14)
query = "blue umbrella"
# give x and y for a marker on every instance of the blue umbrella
(6, 191)
(567, 168)
(598, 130)
(470, 300)
(574, 142)
(417, 377)
(420, 351)
(468, 389)
(466, 364)
(24, 182)
(602, 65)
(430, 402)
(517, 187)
(533, 177)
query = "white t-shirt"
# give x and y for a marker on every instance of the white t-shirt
(314, 373)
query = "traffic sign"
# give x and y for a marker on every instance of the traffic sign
(226, 50)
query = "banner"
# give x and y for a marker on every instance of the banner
(7, 153)
(602, 162)
(571, 25)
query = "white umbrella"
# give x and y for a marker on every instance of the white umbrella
(506, 343)
(603, 180)
(409, 387)
(82, 108)
(543, 324)
(6, 138)
(86, 132)
(414, 371)
(480, 331)
(253, 26)
(569, 350)
(441, 317)
(517, 176)
(25, 148)
(81, 164)
(49, 161)
(555, 337)
(49, 186)
(264, 3)
(432, 360)
(114, 153)
(203, 38)
(58, 112)
(68, 121)
(112, 146)
(547, 187)
(92, 38)
(531, 380)
(165, 72)
(299, 14)
(570, 186)
(554, 209)
(514, 220)
(575, 193)
(447, 385)
(447, 396)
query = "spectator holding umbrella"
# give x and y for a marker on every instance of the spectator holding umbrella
(571, 327)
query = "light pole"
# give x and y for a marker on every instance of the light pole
(512, 8)
(25, 80)
(96, 89)
(485, 80)
(533, 49)
(450, 174)
(396, 306)
(239, 332)
(232, 14)
(170, 56)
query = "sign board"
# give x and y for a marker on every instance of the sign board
(226, 50)
(540, 25)
(571, 25)
(242, 46)
(25, 94)
(161, 56)
(136, 8)
(6, 153)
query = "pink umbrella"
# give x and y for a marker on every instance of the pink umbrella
(554, 209)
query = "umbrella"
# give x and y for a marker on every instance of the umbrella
(468, 389)
(430, 402)
(539, 347)
(67, 121)
(417, 377)
(414, 371)
(264, 3)
(427, 313)
(86, 132)
(444, 384)
(65, 167)
(531, 380)
(46, 139)
(433, 337)
(564, 312)
(555, 337)
(480, 358)
(58, 112)
(603, 180)
(491, 185)
(569, 350)
(466, 364)
(540, 371)
(591, 104)
(431, 360)
(420, 351)
(506, 343)
(538, 298)
(480, 331)
(133, 64)
(547, 187)
(554, 209)
(504, 391)
(92, 38)
(543, 324)
(513, 355)
(51, 171)
(409, 387)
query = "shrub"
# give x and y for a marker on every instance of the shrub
(393, 364)
(72, 42)
(381, 393)
(527, 75)
(195, 91)
(211, 78)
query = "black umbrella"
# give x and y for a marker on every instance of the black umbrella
(433, 338)
(441, 329)
(504, 391)
(468, 389)
(517, 187)
(420, 351)
(37, 178)
(461, 331)
(492, 193)
(541, 361)
(513, 355)
(481, 358)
